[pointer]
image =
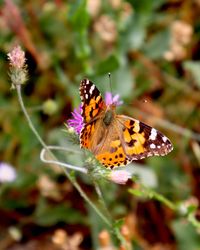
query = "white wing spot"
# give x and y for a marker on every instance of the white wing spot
(153, 134)
(86, 96)
(91, 89)
(152, 145)
(164, 138)
(158, 146)
(87, 81)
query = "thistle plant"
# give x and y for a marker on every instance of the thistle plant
(18, 75)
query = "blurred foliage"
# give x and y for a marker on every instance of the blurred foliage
(152, 50)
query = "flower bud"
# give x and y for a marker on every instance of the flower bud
(119, 176)
(18, 71)
(50, 107)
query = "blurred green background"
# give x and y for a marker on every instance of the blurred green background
(152, 49)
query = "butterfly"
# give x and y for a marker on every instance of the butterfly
(116, 140)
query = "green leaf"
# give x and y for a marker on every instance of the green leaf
(158, 44)
(123, 81)
(186, 236)
(109, 64)
(134, 35)
(80, 19)
(48, 215)
(145, 6)
(194, 69)
(118, 223)
(78, 15)
(137, 192)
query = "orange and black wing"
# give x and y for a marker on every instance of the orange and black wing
(92, 103)
(140, 140)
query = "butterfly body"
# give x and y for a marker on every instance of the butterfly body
(114, 139)
(108, 117)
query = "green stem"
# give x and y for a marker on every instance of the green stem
(101, 199)
(75, 184)
(92, 204)
(18, 87)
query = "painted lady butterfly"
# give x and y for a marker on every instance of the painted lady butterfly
(114, 139)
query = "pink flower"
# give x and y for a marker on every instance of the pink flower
(7, 172)
(109, 99)
(17, 58)
(18, 67)
(119, 176)
(76, 121)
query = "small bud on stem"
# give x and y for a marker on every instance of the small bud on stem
(18, 67)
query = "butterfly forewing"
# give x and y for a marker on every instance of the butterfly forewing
(140, 140)
(91, 100)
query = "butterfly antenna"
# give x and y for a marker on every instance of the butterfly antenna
(110, 82)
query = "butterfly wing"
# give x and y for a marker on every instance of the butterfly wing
(104, 142)
(140, 140)
(92, 103)
(92, 106)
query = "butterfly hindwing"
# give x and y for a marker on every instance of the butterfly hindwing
(104, 142)
(110, 151)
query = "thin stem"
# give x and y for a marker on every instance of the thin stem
(18, 87)
(162, 199)
(92, 204)
(75, 184)
(101, 199)
(65, 165)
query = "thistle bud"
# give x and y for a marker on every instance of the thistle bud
(119, 176)
(18, 67)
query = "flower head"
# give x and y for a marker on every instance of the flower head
(119, 176)
(18, 67)
(77, 121)
(7, 172)
(17, 58)
(109, 99)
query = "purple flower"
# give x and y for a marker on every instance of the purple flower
(76, 121)
(109, 99)
(7, 172)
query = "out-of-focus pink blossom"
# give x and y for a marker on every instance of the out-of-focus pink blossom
(7, 173)
(119, 176)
